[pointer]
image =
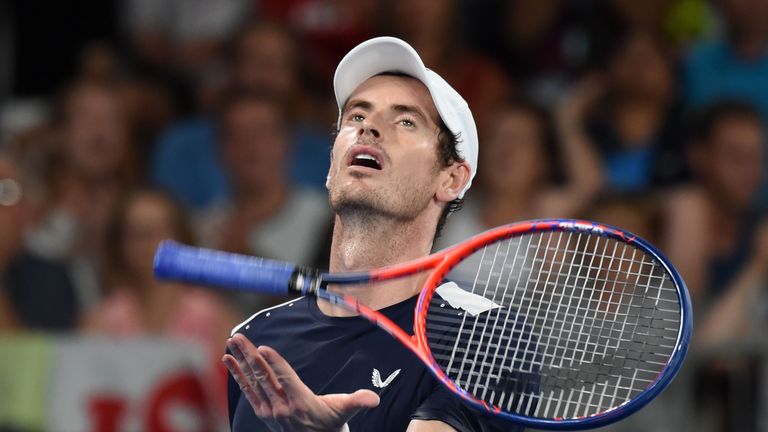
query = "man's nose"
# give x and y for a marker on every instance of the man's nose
(368, 128)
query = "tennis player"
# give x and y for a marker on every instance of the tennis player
(403, 158)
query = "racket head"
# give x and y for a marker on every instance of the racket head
(535, 359)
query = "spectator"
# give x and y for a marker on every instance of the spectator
(179, 41)
(266, 60)
(717, 239)
(545, 44)
(518, 178)
(634, 125)
(137, 304)
(327, 30)
(733, 67)
(711, 223)
(186, 161)
(267, 214)
(89, 170)
(147, 104)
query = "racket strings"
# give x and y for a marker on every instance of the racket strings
(583, 324)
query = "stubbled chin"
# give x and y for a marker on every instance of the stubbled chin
(352, 194)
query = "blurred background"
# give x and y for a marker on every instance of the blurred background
(126, 122)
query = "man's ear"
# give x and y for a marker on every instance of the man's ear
(452, 182)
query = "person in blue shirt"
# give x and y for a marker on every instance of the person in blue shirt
(404, 155)
(732, 67)
(186, 160)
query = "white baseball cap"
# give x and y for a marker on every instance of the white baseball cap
(388, 54)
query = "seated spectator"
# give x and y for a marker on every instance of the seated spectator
(518, 177)
(714, 234)
(327, 30)
(719, 241)
(39, 293)
(734, 66)
(179, 42)
(635, 122)
(136, 304)
(267, 214)
(146, 102)
(186, 160)
(90, 167)
(185, 163)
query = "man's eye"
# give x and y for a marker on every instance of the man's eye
(407, 123)
(357, 117)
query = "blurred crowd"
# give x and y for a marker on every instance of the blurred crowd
(209, 122)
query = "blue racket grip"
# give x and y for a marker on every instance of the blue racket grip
(178, 262)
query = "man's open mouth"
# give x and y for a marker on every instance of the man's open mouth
(365, 157)
(366, 160)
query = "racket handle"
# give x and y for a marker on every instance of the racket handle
(178, 262)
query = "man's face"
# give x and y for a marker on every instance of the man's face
(148, 220)
(514, 155)
(96, 132)
(265, 62)
(734, 162)
(254, 145)
(384, 158)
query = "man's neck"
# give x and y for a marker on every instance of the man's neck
(364, 242)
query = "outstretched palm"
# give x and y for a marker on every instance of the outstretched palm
(281, 399)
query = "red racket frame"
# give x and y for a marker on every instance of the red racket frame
(442, 263)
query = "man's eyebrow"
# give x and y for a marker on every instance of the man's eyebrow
(399, 108)
(358, 103)
(411, 109)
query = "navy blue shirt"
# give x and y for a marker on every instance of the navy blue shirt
(342, 355)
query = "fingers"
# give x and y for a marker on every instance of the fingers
(344, 405)
(257, 379)
(284, 374)
(278, 395)
(253, 393)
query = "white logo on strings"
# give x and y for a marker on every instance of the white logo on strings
(376, 378)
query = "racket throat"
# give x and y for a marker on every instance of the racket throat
(305, 280)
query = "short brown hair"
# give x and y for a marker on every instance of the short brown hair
(447, 154)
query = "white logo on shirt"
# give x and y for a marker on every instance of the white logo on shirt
(376, 378)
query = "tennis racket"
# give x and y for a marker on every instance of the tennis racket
(554, 324)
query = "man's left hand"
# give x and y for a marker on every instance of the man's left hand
(279, 397)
